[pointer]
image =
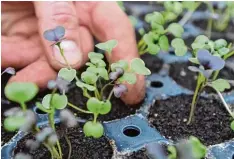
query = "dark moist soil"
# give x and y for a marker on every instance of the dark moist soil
(211, 122)
(186, 78)
(82, 147)
(118, 110)
(141, 154)
(152, 62)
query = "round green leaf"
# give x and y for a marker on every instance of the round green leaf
(180, 48)
(138, 66)
(89, 77)
(232, 125)
(176, 29)
(223, 51)
(220, 43)
(178, 8)
(180, 51)
(84, 85)
(98, 62)
(94, 105)
(59, 101)
(128, 77)
(21, 92)
(105, 108)
(163, 43)
(67, 74)
(14, 123)
(92, 129)
(150, 37)
(157, 27)
(121, 64)
(200, 42)
(155, 17)
(153, 49)
(92, 55)
(220, 85)
(46, 101)
(107, 46)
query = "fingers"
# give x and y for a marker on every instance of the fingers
(34, 72)
(107, 21)
(53, 14)
(18, 52)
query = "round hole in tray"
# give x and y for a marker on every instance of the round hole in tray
(38, 111)
(233, 156)
(131, 131)
(156, 84)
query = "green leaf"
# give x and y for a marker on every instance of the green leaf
(153, 49)
(89, 77)
(198, 149)
(100, 107)
(194, 60)
(21, 92)
(103, 73)
(84, 85)
(58, 101)
(14, 123)
(176, 29)
(220, 85)
(155, 17)
(46, 101)
(180, 48)
(190, 5)
(169, 16)
(98, 62)
(163, 43)
(232, 125)
(92, 55)
(223, 51)
(121, 64)
(90, 64)
(172, 152)
(178, 8)
(42, 108)
(158, 28)
(150, 37)
(200, 42)
(107, 46)
(138, 66)
(220, 43)
(128, 77)
(92, 129)
(67, 74)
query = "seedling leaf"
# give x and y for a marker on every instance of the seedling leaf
(220, 85)
(120, 64)
(163, 43)
(89, 77)
(92, 55)
(138, 66)
(176, 29)
(128, 77)
(84, 85)
(21, 92)
(13, 123)
(107, 46)
(67, 74)
(92, 129)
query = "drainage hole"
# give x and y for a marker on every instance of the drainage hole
(131, 131)
(38, 111)
(156, 84)
(233, 156)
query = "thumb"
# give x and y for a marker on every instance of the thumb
(53, 14)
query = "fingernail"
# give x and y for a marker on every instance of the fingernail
(71, 51)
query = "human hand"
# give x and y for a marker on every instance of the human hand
(23, 45)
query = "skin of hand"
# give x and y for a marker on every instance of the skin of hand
(24, 48)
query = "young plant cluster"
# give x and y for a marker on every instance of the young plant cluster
(93, 82)
(209, 56)
(191, 148)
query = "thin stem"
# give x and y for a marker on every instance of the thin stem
(103, 88)
(97, 94)
(79, 109)
(200, 81)
(188, 15)
(23, 106)
(210, 21)
(69, 146)
(95, 117)
(224, 103)
(110, 95)
(62, 53)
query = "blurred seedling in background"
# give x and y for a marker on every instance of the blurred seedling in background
(191, 148)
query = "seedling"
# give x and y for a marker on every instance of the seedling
(191, 148)
(98, 102)
(210, 57)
